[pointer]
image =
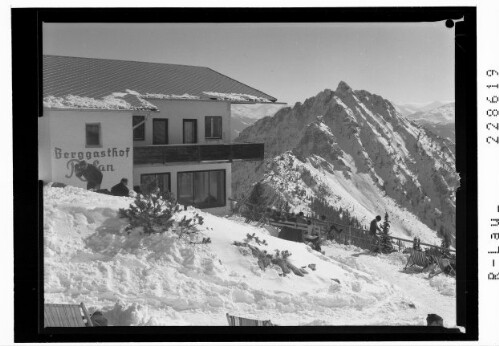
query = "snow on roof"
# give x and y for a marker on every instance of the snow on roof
(236, 97)
(74, 82)
(115, 101)
(171, 97)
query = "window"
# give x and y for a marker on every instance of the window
(204, 189)
(92, 135)
(160, 131)
(139, 133)
(149, 182)
(213, 127)
(190, 131)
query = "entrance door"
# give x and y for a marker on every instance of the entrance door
(190, 131)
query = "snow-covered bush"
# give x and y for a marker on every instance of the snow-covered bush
(155, 213)
(256, 203)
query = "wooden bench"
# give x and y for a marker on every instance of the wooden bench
(235, 321)
(66, 315)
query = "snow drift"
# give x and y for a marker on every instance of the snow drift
(160, 280)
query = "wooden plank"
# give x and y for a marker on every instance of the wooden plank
(182, 153)
(86, 314)
(196, 153)
(425, 244)
(60, 321)
(295, 225)
(148, 154)
(65, 318)
(55, 317)
(70, 317)
(248, 151)
(49, 318)
(45, 318)
(215, 152)
(62, 315)
(78, 316)
(64, 312)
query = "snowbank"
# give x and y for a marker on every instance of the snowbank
(160, 280)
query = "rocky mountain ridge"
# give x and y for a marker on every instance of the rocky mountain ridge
(353, 149)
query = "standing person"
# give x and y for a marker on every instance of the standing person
(301, 218)
(416, 245)
(374, 228)
(91, 174)
(121, 188)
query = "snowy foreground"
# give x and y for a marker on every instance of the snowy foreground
(160, 280)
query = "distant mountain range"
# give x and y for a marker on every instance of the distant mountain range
(354, 151)
(243, 116)
(410, 108)
(436, 117)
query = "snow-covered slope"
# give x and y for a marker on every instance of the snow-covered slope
(160, 280)
(355, 150)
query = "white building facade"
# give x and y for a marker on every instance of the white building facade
(179, 144)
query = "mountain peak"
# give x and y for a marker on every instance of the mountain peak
(343, 87)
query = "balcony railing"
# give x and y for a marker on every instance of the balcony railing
(197, 152)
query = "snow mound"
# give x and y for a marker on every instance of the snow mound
(158, 279)
(444, 284)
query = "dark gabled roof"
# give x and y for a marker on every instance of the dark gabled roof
(97, 78)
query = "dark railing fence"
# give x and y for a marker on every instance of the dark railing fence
(343, 234)
(197, 152)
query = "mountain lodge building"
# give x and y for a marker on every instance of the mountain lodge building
(155, 124)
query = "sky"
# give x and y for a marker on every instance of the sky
(402, 62)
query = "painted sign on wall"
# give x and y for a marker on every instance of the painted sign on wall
(94, 157)
(113, 159)
(109, 161)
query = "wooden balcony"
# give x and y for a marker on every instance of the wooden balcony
(197, 152)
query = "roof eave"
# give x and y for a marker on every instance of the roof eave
(256, 102)
(99, 109)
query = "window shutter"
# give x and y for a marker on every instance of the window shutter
(139, 133)
(217, 124)
(207, 128)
